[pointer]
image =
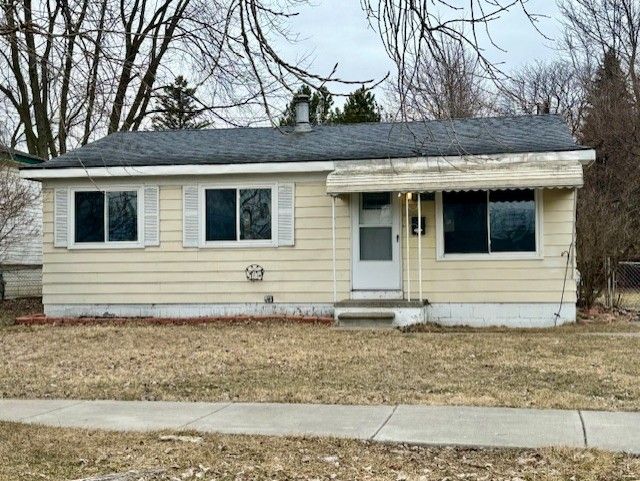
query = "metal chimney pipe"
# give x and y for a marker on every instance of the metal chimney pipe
(302, 113)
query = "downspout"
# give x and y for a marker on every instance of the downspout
(419, 247)
(407, 262)
(574, 260)
(333, 246)
(571, 257)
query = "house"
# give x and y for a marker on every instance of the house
(21, 251)
(458, 222)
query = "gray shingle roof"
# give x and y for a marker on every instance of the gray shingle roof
(516, 134)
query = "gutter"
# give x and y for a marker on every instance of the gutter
(584, 156)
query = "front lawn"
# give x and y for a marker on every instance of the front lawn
(31, 452)
(283, 362)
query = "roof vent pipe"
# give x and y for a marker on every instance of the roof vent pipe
(302, 113)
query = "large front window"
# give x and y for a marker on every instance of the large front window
(243, 214)
(489, 222)
(105, 217)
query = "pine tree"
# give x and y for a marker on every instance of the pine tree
(320, 103)
(361, 106)
(610, 115)
(177, 107)
(608, 218)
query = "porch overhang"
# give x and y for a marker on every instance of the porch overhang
(437, 175)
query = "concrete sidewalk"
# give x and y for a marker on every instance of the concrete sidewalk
(434, 425)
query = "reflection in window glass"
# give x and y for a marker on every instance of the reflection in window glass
(375, 208)
(89, 216)
(465, 222)
(375, 244)
(513, 221)
(220, 214)
(255, 214)
(375, 200)
(123, 216)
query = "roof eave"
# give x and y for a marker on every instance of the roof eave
(582, 155)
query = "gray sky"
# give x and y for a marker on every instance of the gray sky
(337, 31)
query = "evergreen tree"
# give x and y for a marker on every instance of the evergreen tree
(610, 114)
(608, 218)
(361, 106)
(177, 107)
(320, 103)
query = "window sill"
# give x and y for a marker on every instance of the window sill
(106, 246)
(507, 256)
(238, 244)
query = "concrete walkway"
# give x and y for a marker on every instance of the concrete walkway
(434, 425)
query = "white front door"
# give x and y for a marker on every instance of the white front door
(376, 241)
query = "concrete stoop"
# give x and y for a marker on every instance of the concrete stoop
(377, 313)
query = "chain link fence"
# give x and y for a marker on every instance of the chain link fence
(623, 289)
(17, 281)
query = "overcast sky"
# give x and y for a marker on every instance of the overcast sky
(337, 31)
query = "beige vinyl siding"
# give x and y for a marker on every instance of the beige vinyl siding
(499, 280)
(171, 273)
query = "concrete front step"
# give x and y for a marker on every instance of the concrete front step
(377, 313)
(365, 319)
(379, 303)
(358, 324)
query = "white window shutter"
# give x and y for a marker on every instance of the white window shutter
(191, 215)
(151, 215)
(61, 216)
(286, 213)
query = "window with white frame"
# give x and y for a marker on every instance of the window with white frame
(106, 217)
(243, 214)
(488, 222)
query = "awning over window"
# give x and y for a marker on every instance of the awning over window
(438, 176)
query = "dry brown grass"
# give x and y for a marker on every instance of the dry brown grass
(296, 363)
(10, 309)
(32, 452)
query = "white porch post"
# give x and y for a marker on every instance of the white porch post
(419, 247)
(333, 240)
(406, 243)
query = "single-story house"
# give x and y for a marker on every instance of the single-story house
(21, 248)
(468, 221)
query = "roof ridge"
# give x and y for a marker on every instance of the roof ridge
(331, 125)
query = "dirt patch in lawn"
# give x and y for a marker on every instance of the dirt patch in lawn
(303, 363)
(32, 452)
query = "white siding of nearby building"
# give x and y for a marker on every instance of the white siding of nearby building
(24, 247)
(21, 258)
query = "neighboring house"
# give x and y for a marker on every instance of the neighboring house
(316, 221)
(21, 258)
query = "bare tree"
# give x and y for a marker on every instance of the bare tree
(595, 27)
(546, 87)
(18, 200)
(411, 31)
(72, 70)
(443, 88)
